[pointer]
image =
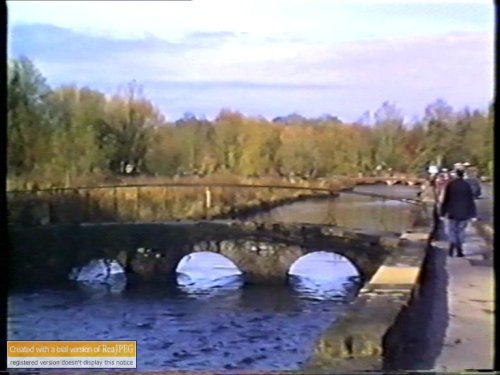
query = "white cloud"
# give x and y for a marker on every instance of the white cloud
(274, 57)
(171, 19)
(320, 20)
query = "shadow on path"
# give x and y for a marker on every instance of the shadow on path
(423, 326)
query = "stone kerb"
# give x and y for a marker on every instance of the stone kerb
(485, 231)
(368, 328)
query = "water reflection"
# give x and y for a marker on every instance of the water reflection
(331, 290)
(207, 287)
(114, 284)
(351, 211)
(325, 276)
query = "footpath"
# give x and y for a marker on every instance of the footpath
(469, 338)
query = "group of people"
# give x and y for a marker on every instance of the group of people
(454, 193)
(440, 178)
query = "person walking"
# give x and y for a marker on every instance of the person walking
(458, 207)
(471, 176)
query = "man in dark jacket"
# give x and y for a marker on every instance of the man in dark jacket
(458, 207)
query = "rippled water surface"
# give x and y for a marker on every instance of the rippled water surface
(352, 211)
(209, 320)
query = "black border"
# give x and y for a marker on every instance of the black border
(4, 256)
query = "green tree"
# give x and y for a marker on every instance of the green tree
(477, 141)
(228, 139)
(75, 146)
(260, 143)
(129, 120)
(28, 130)
(388, 133)
(413, 151)
(164, 156)
(195, 138)
(439, 121)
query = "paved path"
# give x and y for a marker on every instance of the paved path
(469, 337)
(451, 324)
(485, 204)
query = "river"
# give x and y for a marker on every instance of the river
(209, 320)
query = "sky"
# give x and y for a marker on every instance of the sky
(266, 57)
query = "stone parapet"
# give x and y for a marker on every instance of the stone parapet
(368, 329)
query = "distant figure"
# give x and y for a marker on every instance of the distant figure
(433, 170)
(429, 196)
(427, 191)
(458, 208)
(474, 182)
(440, 183)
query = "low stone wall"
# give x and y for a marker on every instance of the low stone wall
(485, 231)
(367, 334)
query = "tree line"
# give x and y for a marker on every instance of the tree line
(68, 133)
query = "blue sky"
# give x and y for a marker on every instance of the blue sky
(266, 57)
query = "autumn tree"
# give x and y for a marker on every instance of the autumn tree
(363, 135)
(228, 139)
(474, 139)
(28, 117)
(129, 121)
(438, 122)
(260, 143)
(195, 140)
(388, 132)
(72, 132)
(75, 145)
(413, 150)
(165, 154)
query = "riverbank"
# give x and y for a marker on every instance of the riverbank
(163, 200)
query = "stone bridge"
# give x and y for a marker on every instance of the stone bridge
(264, 253)
(367, 336)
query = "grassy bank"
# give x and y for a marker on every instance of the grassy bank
(135, 199)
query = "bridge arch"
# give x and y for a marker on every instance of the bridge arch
(309, 264)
